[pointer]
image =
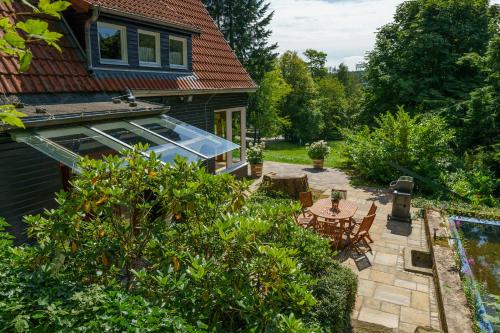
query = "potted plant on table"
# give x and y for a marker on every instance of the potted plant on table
(336, 196)
(317, 151)
(255, 156)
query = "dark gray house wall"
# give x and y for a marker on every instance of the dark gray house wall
(28, 182)
(29, 179)
(132, 46)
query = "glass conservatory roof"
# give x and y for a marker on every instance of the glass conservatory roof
(166, 136)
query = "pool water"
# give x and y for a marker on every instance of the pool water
(481, 242)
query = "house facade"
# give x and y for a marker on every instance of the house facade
(157, 72)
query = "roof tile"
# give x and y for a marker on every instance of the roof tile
(214, 64)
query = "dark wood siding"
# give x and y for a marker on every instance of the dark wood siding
(29, 179)
(132, 46)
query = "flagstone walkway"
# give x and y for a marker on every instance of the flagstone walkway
(387, 294)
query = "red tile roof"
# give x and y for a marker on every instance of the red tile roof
(215, 67)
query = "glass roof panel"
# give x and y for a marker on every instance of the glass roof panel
(48, 148)
(83, 141)
(132, 135)
(187, 136)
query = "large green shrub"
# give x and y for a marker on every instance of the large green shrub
(169, 249)
(419, 143)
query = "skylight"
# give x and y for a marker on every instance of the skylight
(166, 136)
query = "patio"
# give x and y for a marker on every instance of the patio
(387, 294)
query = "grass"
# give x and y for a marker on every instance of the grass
(287, 152)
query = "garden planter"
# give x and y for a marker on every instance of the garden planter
(318, 164)
(335, 205)
(256, 170)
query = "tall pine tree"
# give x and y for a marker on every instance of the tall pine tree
(245, 25)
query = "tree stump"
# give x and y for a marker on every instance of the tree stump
(290, 184)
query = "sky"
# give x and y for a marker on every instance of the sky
(344, 29)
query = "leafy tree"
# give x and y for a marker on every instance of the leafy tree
(301, 106)
(481, 120)
(421, 60)
(316, 61)
(334, 106)
(245, 25)
(421, 144)
(349, 80)
(264, 107)
(18, 34)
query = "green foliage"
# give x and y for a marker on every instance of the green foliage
(34, 30)
(264, 105)
(419, 143)
(300, 107)
(334, 106)
(139, 246)
(318, 150)
(10, 116)
(418, 60)
(255, 153)
(17, 35)
(316, 61)
(454, 206)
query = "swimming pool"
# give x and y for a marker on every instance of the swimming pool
(478, 244)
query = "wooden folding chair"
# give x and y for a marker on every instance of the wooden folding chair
(306, 201)
(333, 230)
(302, 221)
(360, 233)
(356, 222)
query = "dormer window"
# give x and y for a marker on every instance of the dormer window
(178, 52)
(112, 43)
(149, 48)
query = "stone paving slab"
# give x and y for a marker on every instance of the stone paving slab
(387, 294)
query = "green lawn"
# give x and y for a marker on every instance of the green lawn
(292, 153)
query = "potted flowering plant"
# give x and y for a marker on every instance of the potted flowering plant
(336, 196)
(317, 151)
(255, 156)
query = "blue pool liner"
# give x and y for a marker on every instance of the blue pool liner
(484, 324)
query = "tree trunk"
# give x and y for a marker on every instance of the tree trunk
(289, 184)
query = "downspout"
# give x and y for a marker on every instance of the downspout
(88, 39)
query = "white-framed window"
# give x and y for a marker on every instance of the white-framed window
(178, 52)
(112, 43)
(149, 48)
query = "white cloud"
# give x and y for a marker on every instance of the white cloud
(345, 29)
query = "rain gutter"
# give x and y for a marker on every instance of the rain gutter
(159, 93)
(72, 118)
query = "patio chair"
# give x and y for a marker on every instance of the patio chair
(357, 222)
(303, 221)
(332, 230)
(342, 192)
(306, 200)
(360, 234)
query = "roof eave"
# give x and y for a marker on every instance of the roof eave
(72, 118)
(158, 93)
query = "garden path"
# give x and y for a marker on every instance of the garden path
(387, 294)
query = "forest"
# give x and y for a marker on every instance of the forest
(428, 100)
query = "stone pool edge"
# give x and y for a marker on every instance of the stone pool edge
(455, 313)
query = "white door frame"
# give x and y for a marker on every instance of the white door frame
(229, 132)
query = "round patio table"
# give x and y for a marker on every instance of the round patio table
(323, 209)
(337, 219)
